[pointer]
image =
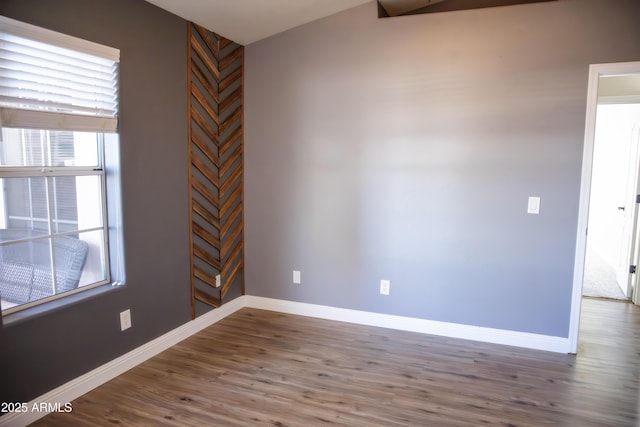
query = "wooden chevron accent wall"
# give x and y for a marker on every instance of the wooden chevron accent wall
(216, 67)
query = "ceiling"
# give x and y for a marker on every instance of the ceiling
(247, 21)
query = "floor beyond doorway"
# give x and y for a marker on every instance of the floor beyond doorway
(600, 279)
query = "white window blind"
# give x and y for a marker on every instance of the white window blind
(50, 80)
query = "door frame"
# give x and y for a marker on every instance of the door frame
(595, 71)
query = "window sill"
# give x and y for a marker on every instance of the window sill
(56, 305)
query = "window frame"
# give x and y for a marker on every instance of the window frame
(107, 170)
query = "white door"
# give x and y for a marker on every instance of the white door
(630, 223)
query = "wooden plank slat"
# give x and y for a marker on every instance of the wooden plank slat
(207, 299)
(233, 246)
(230, 141)
(204, 277)
(232, 269)
(228, 279)
(231, 160)
(229, 121)
(230, 244)
(205, 214)
(230, 181)
(205, 192)
(204, 81)
(230, 79)
(231, 200)
(205, 148)
(211, 176)
(206, 106)
(191, 199)
(224, 42)
(229, 100)
(233, 259)
(230, 221)
(204, 125)
(230, 58)
(199, 231)
(207, 257)
(212, 67)
(213, 45)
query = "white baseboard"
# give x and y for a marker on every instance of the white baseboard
(95, 378)
(451, 330)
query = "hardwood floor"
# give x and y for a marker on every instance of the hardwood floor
(265, 368)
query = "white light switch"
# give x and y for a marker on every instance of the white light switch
(534, 205)
(296, 277)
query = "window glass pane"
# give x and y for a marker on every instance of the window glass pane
(11, 234)
(77, 203)
(60, 149)
(29, 147)
(25, 271)
(70, 255)
(24, 203)
(32, 150)
(65, 207)
(74, 148)
(94, 269)
(25, 266)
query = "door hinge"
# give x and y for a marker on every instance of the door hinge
(637, 198)
(632, 269)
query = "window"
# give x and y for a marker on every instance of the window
(59, 190)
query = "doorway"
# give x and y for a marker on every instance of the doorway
(598, 83)
(614, 179)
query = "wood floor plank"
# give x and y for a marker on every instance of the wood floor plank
(265, 368)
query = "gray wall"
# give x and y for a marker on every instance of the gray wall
(406, 148)
(41, 353)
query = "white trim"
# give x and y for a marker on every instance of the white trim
(50, 120)
(595, 71)
(44, 35)
(95, 378)
(431, 327)
(623, 99)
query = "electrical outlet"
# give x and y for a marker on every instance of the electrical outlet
(125, 319)
(218, 281)
(296, 277)
(384, 287)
